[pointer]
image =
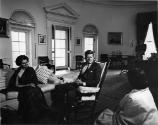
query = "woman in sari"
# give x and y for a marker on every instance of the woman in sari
(32, 103)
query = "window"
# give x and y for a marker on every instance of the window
(18, 45)
(149, 41)
(22, 26)
(89, 43)
(60, 42)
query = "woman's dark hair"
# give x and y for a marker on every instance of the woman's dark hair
(137, 78)
(89, 52)
(20, 58)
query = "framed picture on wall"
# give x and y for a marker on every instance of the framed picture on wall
(41, 39)
(78, 42)
(3, 27)
(115, 38)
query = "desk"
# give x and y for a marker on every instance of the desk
(117, 61)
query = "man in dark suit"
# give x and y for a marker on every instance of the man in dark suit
(90, 72)
(88, 76)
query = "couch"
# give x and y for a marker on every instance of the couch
(47, 82)
(9, 99)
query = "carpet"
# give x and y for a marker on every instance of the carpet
(115, 86)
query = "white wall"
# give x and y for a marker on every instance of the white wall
(35, 8)
(105, 18)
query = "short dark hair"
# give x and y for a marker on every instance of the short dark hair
(89, 52)
(137, 78)
(20, 58)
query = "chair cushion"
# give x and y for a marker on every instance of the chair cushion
(12, 95)
(53, 79)
(84, 89)
(2, 97)
(43, 74)
(88, 98)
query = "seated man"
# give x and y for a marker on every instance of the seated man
(90, 72)
(136, 108)
(89, 76)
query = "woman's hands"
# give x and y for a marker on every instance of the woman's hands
(31, 85)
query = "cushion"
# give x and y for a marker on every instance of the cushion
(9, 75)
(53, 79)
(43, 74)
(2, 83)
(12, 95)
(70, 77)
(2, 97)
(84, 89)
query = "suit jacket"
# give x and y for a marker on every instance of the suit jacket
(91, 75)
(29, 76)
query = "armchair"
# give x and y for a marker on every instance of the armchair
(90, 94)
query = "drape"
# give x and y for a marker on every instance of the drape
(155, 27)
(143, 21)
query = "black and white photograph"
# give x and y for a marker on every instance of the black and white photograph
(78, 62)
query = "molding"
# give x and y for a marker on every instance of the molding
(57, 19)
(62, 10)
(120, 3)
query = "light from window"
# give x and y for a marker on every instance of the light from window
(18, 45)
(89, 43)
(150, 43)
(59, 50)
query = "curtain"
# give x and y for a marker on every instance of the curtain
(155, 27)
(142, 27)
(143, 21)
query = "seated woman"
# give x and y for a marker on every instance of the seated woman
(32, 103)
(136, 108)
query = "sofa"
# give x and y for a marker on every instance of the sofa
(46, 81)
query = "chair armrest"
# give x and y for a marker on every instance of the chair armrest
(83, 89)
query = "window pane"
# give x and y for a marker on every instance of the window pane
(22, 46)
(15, 55)
(15, 46)
(59, 34)
(22, 53)
(60, 61)
(88, 44)
(14, 36)
(60, 53)
(52, 44)
(60, 44)
(22, 36)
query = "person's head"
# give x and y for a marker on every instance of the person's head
(140, 50)
(22, 61)
(89, 56)
(137, 78)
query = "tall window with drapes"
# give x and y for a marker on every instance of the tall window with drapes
(143, 21)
